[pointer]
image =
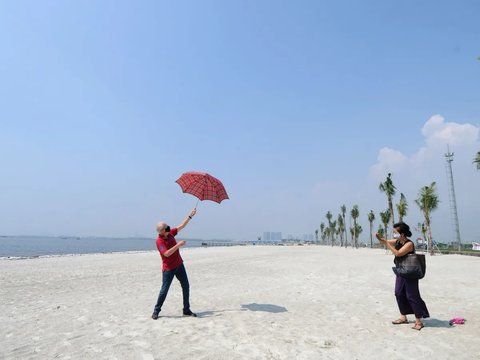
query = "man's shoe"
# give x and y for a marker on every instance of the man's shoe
(155, 316)
(189, 313)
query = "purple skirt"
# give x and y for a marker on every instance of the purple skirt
(408, 298)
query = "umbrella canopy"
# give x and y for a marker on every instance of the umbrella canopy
(203, 186)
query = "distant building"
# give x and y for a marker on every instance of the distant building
(272, 236)
(307, 237)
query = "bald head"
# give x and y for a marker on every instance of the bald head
(161, 226)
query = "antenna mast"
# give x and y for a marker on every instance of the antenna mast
(452, 198)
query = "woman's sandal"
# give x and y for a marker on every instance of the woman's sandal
(418, 327)
(400, 321)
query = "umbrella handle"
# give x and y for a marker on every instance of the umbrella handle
(197, 203)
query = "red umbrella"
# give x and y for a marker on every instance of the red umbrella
(203, 186)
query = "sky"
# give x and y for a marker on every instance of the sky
(297, 107)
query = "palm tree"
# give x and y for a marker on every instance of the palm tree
(402, 207)
(341, 228)
(427, 202)
(327, 234)
(356, 230)
(371, 219)
(421, 228)
(343, 208)
(329, 218)
(355, 213)
(322, 232)
(477, 160)
(389, 189)
(333, 231)
(385, 217)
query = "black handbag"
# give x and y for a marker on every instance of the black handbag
(410, 266)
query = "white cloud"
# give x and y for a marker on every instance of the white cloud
(388, 161)
(439, 133)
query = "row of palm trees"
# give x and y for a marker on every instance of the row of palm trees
(427, 201)
(335, 231)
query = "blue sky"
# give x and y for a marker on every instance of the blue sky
(104, 104)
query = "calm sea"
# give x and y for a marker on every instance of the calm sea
(32, 246)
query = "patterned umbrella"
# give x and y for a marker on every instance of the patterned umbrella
(203, 186)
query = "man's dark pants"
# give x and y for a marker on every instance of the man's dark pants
(167, 276)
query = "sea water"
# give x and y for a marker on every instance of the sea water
(33, 246)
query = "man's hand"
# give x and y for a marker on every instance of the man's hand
(175, 248)
(187, 219)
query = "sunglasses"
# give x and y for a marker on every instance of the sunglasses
(167, 229)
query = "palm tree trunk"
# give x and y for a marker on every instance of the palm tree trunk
(385, 225)
(355, 231)
(371, 236)
(429, 231)
(390, 206)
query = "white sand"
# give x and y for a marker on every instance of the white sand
(294, 302)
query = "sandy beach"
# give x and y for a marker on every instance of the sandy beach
(295, 302)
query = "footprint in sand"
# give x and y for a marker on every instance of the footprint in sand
(108, 334)
(140, 343)
(328, 344)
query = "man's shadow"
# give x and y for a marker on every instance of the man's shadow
(275, 309)
(270, 308)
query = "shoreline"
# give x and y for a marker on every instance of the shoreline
(12, 258)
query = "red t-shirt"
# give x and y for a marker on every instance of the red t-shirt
(174, 260)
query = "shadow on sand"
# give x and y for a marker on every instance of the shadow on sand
(436, 323)
(213, 313)
(265, 308)
(270, 308)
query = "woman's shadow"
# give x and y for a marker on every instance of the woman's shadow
(436, 323)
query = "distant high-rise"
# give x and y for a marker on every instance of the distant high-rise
(272, 236)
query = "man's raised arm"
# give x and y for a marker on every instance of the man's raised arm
(187, 219)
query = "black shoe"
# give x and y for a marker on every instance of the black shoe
(155, 316)
(189, 313)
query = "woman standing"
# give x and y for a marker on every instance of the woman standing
(406, 290)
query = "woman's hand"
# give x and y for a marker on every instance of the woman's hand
(379, 238)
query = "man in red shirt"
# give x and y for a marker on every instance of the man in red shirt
(172, 264)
